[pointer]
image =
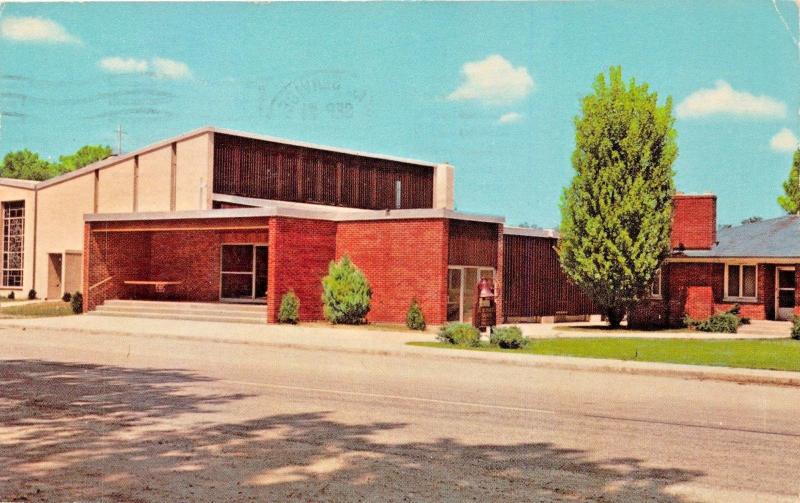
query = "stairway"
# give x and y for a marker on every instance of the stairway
(190, 311)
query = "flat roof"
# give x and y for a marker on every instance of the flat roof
(531, 231)
(20, 184)
(320, 213)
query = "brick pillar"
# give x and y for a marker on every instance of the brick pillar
(498, 277)
(87, 250)
(272, 261)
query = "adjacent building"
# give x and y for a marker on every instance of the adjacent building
(711, 270)
(215, 215)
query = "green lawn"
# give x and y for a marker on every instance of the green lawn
(37, 310)
(773, 354)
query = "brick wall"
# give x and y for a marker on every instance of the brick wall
(299, 253)
(172, 250)
(697, 289)
(694, 221)
(402, 259)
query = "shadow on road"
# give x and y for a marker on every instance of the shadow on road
(85, 432)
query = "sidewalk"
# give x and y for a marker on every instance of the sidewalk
(377, 342)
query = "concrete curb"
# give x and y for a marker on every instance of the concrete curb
(693, 372)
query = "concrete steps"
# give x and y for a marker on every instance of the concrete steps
(190, 311)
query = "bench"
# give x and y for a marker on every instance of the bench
(158, 285)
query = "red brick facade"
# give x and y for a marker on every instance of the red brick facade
(694, 221)
(402, 259)
(698, 289)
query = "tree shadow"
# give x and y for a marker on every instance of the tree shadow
(84, 432)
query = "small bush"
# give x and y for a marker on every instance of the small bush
(346, 293)
(289, 312)
(76, 302)
(11, 296)
(796, 328)
(508, 338)
(723, 323)
(66, 297)
(31, 294)
(460, 334)
(414, 318)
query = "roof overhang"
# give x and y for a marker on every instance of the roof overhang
(731, 260)
(289, 212)
(531, 232)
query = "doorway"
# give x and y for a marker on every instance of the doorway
(785, 283)
(243, 273)
(54, 275)
(461, 284)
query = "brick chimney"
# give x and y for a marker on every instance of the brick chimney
(694, 221)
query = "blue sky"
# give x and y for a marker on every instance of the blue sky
(424, 80)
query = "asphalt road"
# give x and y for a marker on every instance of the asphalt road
(120, 418)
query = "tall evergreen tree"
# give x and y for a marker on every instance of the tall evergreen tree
(790, 200)
(616, 213)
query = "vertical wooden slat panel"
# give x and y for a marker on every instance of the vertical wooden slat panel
(254, 168)
(534, 284)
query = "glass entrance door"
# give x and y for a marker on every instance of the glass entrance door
(461, 284)
(243, 273)
(784, 302)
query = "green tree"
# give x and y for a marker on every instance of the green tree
(616, 213)
(27, 165)
(84, 156)
(790, 200)
(346, 293)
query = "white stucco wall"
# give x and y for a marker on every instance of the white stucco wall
(154, 183)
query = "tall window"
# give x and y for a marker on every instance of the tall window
(655, 286)
(740, 281)
(13, 242)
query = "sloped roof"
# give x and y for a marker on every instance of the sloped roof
(776, 238)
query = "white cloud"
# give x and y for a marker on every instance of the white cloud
(493, 80)
(160, 68)
(725, 100)
(35, 29)
(784, 141)
(124, 65)
(509, 118)
(170, 69)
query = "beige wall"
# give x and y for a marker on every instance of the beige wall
(27, 195)
(115, 188)
(155, 180)
(194, 173)
(60, 222)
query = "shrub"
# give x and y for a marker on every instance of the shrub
(796, 328)
(414, 318)
(289, 312)
(724, 323)
(66, 297)
(76, 302)
(461, 334)
(31, 294)
(11, 296)
(508, 338)
(346, 293)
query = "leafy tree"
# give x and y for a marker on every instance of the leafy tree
(27, 165)
(83, 157)
(752, 220)
(616, 213)
(790, 200)
(346, 293)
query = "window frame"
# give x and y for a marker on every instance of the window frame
(740, 297)
(6, 206)
(658, 278)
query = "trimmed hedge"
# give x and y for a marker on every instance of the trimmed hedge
(796, 328)
(460, 334)
(723, 323)
(76, 302)
(346, 293)
(415, 320)
(508, 338)
(289, 311)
